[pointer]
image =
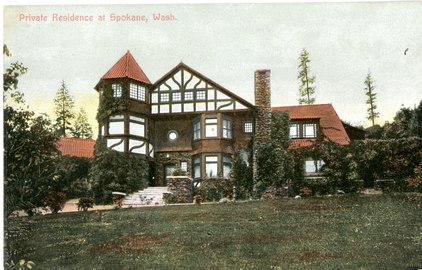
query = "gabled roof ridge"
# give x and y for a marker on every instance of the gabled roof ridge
(182, 65)
(73, 138)
(303, 105)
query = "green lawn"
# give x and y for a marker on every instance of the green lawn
(350, 232)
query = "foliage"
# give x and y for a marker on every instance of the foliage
(241, 174)
(110, 105)
(81, 128)
(306, 90)
(371, 101)
(21, 265)
(29, 148)
(214, 189)
(407, 123)
(72, 176)
(374, 132)
(85, 203)
(116, 171)
(55, 200)
(63, 109)
(10, 79)
(179, 172)
(414, 182)
(274, 165)
(416, 121)
(280, 129)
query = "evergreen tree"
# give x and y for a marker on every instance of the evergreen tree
(81, 128)
(371, 101)
(63, 108)
(306, 88)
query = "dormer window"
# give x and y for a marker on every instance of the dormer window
(309, 130)
(137, 92)
(303, 130)
(117, 90)
(294, 131)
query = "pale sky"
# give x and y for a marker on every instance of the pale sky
(227, 43)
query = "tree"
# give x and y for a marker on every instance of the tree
(29, 148)
(416, 121)
(81, 128)
(306, 90)
(371, 101)
(63, 108)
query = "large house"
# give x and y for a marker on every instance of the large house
(189, 121)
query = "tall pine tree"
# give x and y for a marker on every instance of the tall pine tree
(306, 88)
(372, 97)
(63, 109)
(81, 128)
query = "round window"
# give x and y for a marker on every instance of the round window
(172, 135)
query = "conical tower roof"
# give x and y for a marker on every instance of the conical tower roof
(127, 67)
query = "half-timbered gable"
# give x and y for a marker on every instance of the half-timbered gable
(184, 90)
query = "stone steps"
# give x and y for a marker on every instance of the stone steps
(148, 197)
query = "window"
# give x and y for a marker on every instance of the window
(211, 127)
(227, 166)
(164, 97)
(211, 166)
(248, 127)
(309, 130)
(200, 95)
(313, 166)
(294, 131)
(137, 126)
(116, 125)
(184, 166)
(188, 95)
(137, 92)
(117, 89)
(197, 167)
(197, 130)
(177, 96)
(227, 128)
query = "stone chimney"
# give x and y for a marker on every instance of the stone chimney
(263, 106)
(262, 117)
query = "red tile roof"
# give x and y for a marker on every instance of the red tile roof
(330, 124)
(76, 147)
(127, 67)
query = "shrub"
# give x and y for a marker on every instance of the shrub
(71, 176)
(85, 203)
(170, 198)
(241, 174)
(55, 201)
(214, 189)
(414, 182)
(116, 171)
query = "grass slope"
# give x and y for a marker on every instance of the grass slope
(383, 232)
